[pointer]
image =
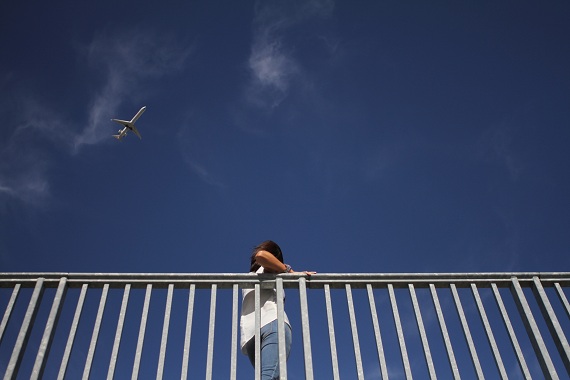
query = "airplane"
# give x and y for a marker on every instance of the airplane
(129, 125)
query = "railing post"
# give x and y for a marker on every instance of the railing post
(467, 333)
(8, 312)
(281, 329)
(306, 329)
(354, 329)
(212, 324)
(400, 331)
(257, 366)
(423, 335)
(164, 340)
(489, 331)
(72, 332)
(332, 339)
(533, 331)
(233, 364)
(119, 333)
(552, 322)
(512, 335)
(95, 335)
(188, 334)
(444, 333)
(563, 298)
(43, 352)
(25, 330)
(379, 345)
(142, 330)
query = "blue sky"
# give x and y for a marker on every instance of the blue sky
(362, 136)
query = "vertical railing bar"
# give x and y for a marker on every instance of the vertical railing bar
(164, 339)
(563, 298)
(233, 364)
(72, 332)
(444, 333)
(281, 329)
(423, 335)
(379, 345)
(257, 332)
(489, 332)
(400, 331)
(188, 334)
(552, 323)
(332, 339)
(467, 333)
(306, 329)
(95, 335)
(43, 351)
(212, 324)
(8, 311)
(25, 330)
(533, 331)
(118, 333)
(511, 331)
(142, 330)
(354, 329)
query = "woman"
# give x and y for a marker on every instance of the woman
(265, 258)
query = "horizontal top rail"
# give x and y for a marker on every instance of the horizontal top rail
(316, 281)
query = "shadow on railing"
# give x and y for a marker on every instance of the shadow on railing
(470, 325)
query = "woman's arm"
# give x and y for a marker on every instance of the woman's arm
(272, 264)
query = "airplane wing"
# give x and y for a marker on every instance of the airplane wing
(124, 122)
(135, 118)
(136, 131)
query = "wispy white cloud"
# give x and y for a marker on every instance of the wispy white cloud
(272, 72)
(204, 174)
(31, 188)
(272, 64)
(23, 170)
(24, 164)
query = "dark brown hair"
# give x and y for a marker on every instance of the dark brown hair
(269, 246)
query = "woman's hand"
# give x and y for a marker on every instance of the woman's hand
(308, 273)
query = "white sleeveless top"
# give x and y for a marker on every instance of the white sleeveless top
(268, 311)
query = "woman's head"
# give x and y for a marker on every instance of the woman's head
(269, 246)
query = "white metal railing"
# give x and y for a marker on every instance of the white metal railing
(470, 325)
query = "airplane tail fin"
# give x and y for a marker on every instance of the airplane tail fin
(118, 137)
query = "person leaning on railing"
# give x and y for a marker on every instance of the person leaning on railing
(265, 258)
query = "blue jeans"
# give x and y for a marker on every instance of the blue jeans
(269, 350)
